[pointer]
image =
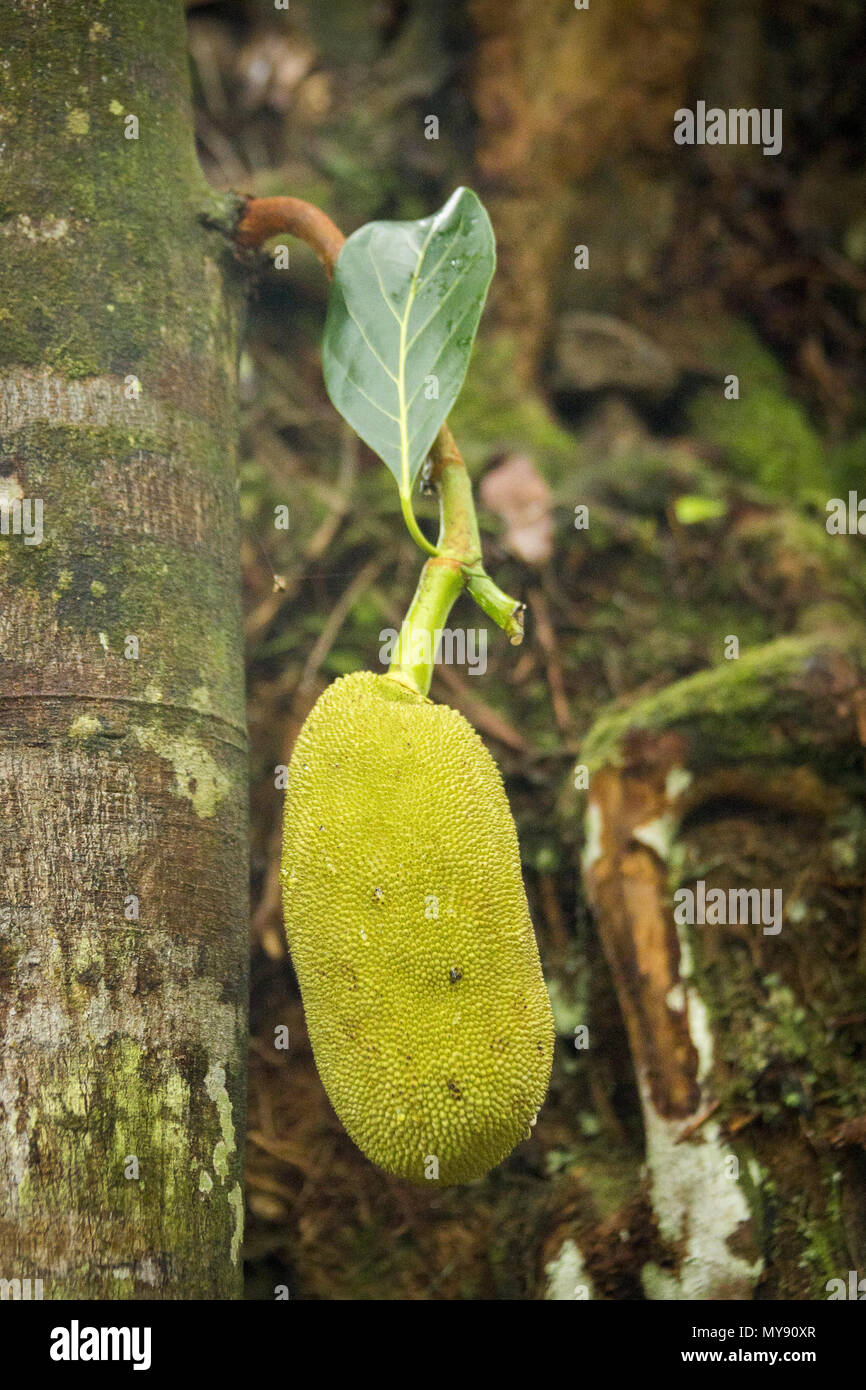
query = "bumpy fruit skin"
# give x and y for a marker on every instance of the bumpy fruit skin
(410, 934)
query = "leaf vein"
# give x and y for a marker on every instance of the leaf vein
(442, 349)
(388, 303)
(373, 351)
(361, 392)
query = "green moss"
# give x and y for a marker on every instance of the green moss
(134, 1107)
(824, 567)
(197, 776)
(766, 436)
(112, 258)
(85, 727)
(168, 590)
(731, 713)
(822, 1234)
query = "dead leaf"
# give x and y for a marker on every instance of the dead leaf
(520, 496)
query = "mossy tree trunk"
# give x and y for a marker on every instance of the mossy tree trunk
(123, 939)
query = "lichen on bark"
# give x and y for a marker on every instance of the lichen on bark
(122, 737)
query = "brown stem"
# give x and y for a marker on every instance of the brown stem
(267, 217)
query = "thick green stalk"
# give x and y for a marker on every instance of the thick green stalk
(438, 589)
(458, 565)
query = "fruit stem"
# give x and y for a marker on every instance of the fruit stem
(438, 587)
(458, 565)
(460, 537)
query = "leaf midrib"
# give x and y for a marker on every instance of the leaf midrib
(405, 485)
(403, 320)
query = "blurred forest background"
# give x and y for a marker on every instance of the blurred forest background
(604, 388)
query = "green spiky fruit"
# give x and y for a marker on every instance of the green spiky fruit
(410, 934)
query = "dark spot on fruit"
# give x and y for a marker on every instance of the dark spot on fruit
(347, 974)
(454, 975)
(454, 1089)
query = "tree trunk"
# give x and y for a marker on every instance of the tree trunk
(563, 96)
(123, 942)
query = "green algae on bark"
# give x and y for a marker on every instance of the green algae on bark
(123, 943)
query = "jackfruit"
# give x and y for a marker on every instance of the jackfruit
(410, 934)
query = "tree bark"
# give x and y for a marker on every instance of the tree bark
(561, 94)
(123, 944)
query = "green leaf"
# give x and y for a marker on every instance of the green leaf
(690, 511)
(402, 316)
